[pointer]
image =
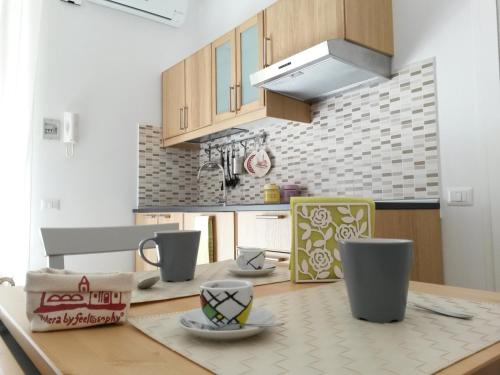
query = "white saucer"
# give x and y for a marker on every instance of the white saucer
(237, 271)
(257, 315)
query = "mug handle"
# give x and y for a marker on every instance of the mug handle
(141, 251)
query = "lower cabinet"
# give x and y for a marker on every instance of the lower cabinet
(223, 232)
(223, 227)
(424, 228)
(271, 230)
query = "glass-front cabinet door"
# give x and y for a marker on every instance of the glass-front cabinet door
(249, 59)
(224, 77)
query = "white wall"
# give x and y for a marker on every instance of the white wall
(461, 34)
(105, 65)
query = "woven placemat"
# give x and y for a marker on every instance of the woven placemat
(204, 272)
(321, 337)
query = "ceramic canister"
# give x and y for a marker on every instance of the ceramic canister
(271, 193)
(288, 191)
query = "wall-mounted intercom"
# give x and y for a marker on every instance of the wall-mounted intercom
(70, 132)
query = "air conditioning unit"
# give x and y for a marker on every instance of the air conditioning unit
(170, 12)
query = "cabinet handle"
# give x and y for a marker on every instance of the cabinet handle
(167, 216)
(237, 94)
(186, 117)
(266, 41)
(231, 89)
(181, 117)
(270, 217)
(152, 216)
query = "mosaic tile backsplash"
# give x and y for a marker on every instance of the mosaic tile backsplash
(379, 141)
(166, 176)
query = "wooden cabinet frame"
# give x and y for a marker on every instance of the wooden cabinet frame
(173, 101)
(231, 38)
(198, 89)
(259, 21)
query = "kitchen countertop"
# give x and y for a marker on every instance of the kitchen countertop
(408, 204)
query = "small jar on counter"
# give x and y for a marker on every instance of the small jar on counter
(288, 191)
(271, 193)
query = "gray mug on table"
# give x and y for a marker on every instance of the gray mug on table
(377, 274)
(177, 253)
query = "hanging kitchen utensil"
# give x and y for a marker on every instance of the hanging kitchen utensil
(258, 163)
(221, 151)
(229, 179)
(237, 162)
(234, 166)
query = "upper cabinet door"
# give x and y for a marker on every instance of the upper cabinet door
(294, 25)
(198, 110)
(224, 77)
(173, 89)
(369, 23)
(249, 59)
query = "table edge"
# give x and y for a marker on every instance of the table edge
(41, 361)
(45, 365)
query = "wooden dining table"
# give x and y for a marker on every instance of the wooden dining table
(122, 349)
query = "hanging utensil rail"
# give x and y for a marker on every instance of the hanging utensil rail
(259, 138)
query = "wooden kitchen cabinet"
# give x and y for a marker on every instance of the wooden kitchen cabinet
(224, 77)
(369, 23)
(171, 217)
(235, 56)
(424, 228)
(199, 89)
(249, 59)
(295, 25)
(272, 231)
(174, 101)
(283, 29)
(223, 232)
(151, 219)
(187, 94)
(264, 229)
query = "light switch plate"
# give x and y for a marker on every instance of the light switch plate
(460, 196)
(50, 204)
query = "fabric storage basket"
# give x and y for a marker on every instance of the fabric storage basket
(59, 299)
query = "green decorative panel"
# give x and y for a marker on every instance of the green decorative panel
(317, 226)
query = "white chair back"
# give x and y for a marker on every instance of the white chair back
(59, 242)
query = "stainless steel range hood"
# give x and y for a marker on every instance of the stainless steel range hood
(328, 66)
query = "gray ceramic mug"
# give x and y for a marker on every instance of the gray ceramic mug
(377, 274)
(177, 253)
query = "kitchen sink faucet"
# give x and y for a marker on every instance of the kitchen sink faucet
(212, 165)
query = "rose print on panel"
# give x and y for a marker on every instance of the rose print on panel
(345, 232)
(320, 217)
(320, 259)
(319, 227)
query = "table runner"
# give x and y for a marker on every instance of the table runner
(320, 336)
(204, 272)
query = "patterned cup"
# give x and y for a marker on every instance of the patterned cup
(250, 258)
(226, 301)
